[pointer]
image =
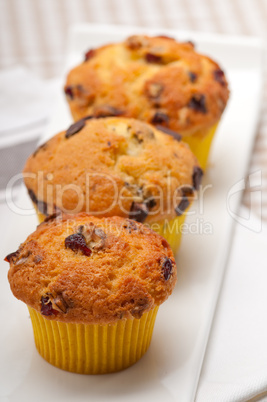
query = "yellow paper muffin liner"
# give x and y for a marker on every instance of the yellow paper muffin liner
(200, 144)
(171, 230)
(92, 348)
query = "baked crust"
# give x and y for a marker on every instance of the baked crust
(112, 166)
(129, 271)
(154, 79)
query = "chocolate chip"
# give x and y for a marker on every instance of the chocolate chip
(69, 92)
(88, 55)
(107, 110)
(189, 42)
(166, 268)
(197, 177)
(32, 196)
(160, 117)
(138, 211)
(198, 103)
(52, 216)
(181, 207)
(150, 203)
(11, 256)
(89, 117)
(192, 76)
(75, 128)
(219, 77)
(77, 242)
(47, 307)
(170, 132)
(187, 190)
(153, 58)
(41, 205)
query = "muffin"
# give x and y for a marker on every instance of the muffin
(115, 167)
(93, 287)
(154, 79)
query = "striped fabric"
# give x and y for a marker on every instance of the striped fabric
(34, 33)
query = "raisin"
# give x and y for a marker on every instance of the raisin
(219, 77)
(197, 177)
(69, 92)
(166, 268)
(198, 103)
(170, 132)
(10, 256)
(160, 117)
(192, 76)
(77, 242)
(88, 55)
(75, 128)
(47, 307)
(181, 207)
(138, 212)
(153, 58)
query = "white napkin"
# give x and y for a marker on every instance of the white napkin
(235, 365)
(25, 105)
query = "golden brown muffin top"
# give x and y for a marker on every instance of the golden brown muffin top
(84, 269)
(154, 79)
(113, 167)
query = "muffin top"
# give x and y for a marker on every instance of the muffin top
(84, 269)
(113, 166)
(154, 79)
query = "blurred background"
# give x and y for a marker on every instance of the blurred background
(34, 32)
(33, 43)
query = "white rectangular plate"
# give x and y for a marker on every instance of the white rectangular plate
(170, 370)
